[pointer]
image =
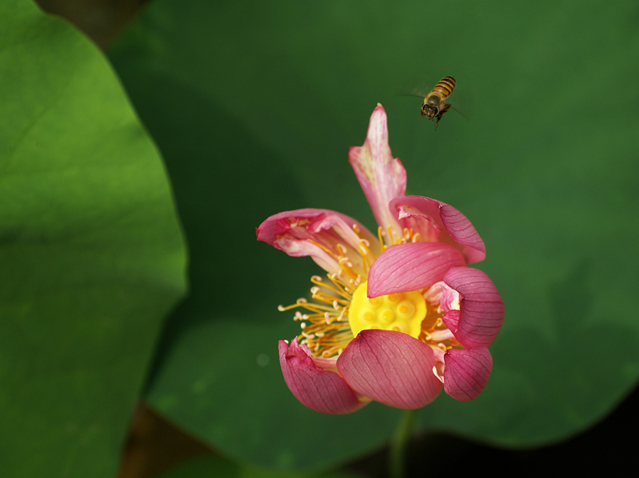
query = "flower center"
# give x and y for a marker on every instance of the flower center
(401, 312)
(327, 326)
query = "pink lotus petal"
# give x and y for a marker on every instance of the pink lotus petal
(481, 309)
(317, 233)
(411, 266)
(391, 368)
(451, 319)
(466, 372)
(319, 390)
(429, 217)
(381, 176)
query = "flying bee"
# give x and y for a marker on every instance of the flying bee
(434, 105)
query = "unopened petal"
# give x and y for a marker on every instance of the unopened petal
(319, 390)
(437, 221)
(481, 308)
(466, 372)
(412, 266)
(318, 233)
(391, 368)
(381, 176)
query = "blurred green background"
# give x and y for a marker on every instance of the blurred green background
(253, 107)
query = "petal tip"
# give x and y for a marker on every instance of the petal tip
(466, 372)
(320, 390)
(392, 368)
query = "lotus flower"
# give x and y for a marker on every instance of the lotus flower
(400, 316)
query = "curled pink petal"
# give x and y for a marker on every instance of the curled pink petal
(320, 390)
(481, 309)
(437, 221)
(451, 319)
(391, 368)
(466, 372)
(412, 266)
(381, 176)
(317, 233)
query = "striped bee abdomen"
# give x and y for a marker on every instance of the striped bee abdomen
(445, 87)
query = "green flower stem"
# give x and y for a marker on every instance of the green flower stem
(398, 443)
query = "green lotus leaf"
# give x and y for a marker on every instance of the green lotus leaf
(91, 251)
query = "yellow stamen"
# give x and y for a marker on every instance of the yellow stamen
(340, 308)
(380, 237)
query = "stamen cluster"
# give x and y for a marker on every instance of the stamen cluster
(325, 325)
